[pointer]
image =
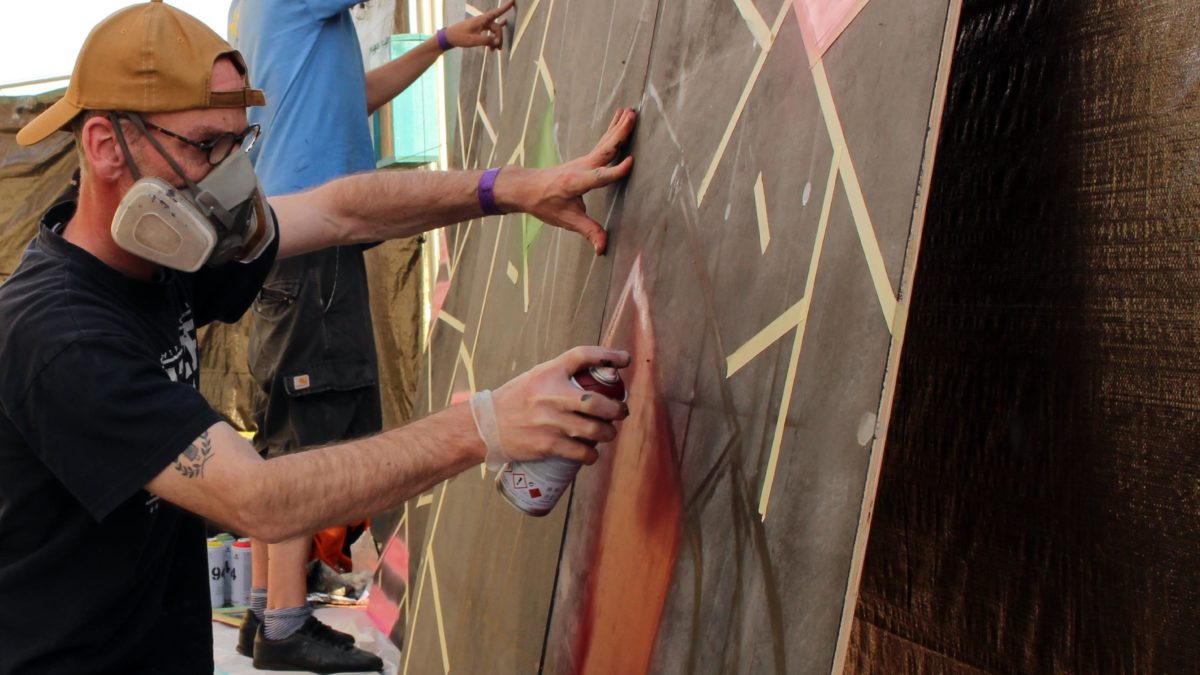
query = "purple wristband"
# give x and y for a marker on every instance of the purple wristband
(443, 41)
(487, 200)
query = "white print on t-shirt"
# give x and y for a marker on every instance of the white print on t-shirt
(180, 362)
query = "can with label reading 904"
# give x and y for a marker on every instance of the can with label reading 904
(218, 560)
(535, 487)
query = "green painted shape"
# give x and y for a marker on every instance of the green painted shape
(544, 153)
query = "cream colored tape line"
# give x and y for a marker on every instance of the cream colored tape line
(487, 287)
(475, 118)
(450, 320)
(487, 123)
(789, 384)
(437, 611)
(412, 623)
(513, 275)
(500, 78)
(760, 205)
(472, 10)
(416, 614)
(518, 153)
(546, 79)
(425, 499)
(467, 362)
(528, 12)
(462, 134)
(755, 22)
(525, 278)
(765, 338)
(908, 275)
(764, 498)
(858, 205)
(741, 104)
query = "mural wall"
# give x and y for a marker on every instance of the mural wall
(755, 270)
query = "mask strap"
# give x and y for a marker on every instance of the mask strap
(137, 175)
(214, 209)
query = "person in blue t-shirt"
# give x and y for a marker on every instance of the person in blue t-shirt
(311, 348)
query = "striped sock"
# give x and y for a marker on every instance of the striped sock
(258, 602)
(281, 623)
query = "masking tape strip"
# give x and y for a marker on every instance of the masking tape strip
(513, 275)
(741, 105)
(765, 338)
(487, 287)
(475, 118)
(546, 79)
(437, 612)
(529, 11)
(500, 78)
(487, 123)
(472, 10)
(452, 321)
(858, 204)
(760, 205)
(764, 498)
(466, 359)
(755, 22)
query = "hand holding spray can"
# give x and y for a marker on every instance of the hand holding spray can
(534, 487)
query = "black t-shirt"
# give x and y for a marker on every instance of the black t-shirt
(99, 394)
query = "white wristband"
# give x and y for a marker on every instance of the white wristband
(483, 411)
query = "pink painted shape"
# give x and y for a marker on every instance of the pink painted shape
(382, 611)
(822, 21)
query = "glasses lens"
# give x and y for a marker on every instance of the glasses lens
(221, 148)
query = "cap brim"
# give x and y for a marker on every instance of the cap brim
(51, 120)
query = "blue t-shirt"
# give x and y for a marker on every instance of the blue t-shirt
(305, 55)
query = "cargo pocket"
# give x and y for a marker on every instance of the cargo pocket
(276, 298)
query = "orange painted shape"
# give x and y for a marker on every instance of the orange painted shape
(636, 538)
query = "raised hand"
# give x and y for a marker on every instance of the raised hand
(485, 30)
(555, 195)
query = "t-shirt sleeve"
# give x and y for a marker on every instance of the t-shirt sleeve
(225, 292)
(323, 9)
(105, 418)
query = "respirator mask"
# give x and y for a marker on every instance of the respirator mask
(224, 217)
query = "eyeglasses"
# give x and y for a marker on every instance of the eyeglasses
(217, 148)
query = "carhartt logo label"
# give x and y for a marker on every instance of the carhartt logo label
(301, 382)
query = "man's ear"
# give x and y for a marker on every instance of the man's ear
(102, 149)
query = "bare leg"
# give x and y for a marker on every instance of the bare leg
(286, 573)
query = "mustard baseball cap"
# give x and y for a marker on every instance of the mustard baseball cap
(146, 58)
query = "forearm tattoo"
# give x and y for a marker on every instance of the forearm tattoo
(191, 462)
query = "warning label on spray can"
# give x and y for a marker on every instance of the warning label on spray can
(535, 487)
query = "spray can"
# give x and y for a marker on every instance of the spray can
(535, 487)
(217, 561)
(227, 540)
(239, 573)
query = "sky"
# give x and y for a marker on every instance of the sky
(42, 39)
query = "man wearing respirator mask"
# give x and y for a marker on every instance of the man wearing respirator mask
(107, 449)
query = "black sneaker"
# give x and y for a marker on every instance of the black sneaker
(312, 648)
(246, 633)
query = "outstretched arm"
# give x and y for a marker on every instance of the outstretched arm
(387, 81)
(540, 414)
(381, 205)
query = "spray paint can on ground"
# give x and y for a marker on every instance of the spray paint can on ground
(227, 540)
(239, 573)
(218, 560)
(535, 487)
